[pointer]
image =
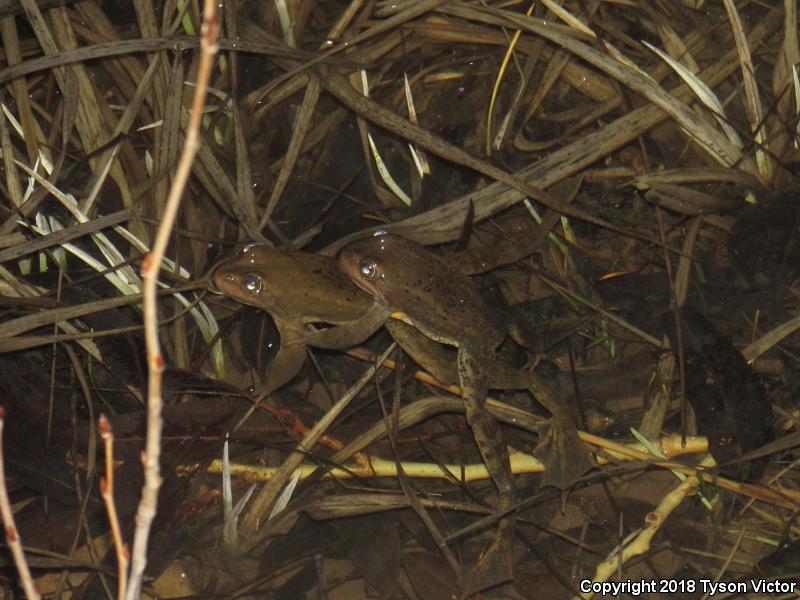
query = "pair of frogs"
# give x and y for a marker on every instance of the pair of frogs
(423, 301)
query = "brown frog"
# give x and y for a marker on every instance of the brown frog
(300, 289)
(424, 291)
(428, 293)
(297, 289)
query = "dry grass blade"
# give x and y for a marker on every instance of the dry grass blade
(348, 505)
(420, 159)
(120, 274)
(216, 181)
(694, 125)
(122, 277)
(770, 339)
(386, 176)
(391, 423)
(91, 108)
(371, 150)
(15, 344)
(671, 40)
(444, 222)
(154, 44)
(568, 18)
(706, 96)
(301, 126)
(12, 179)
(27, 323)
(683, 273)
(123, 127)
(702, 175)
(8, 30)
(64, 235)
(687, 201)
(425, 408)
(375, 113)
(490, 113)
(254, 527)
(752, 102)
(555, 69)
(646, 337)
(25, 291)
(783, 138)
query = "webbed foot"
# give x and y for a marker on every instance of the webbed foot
(565, 457)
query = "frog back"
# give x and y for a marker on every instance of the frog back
(292, 286)
(426, 290)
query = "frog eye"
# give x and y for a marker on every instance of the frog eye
(369, 269)
(252, 284)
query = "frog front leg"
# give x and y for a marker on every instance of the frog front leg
(286, 364)
(349, 334)
(427, 353)
(288, 361)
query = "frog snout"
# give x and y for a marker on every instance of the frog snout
(211, 284)
(213, 277)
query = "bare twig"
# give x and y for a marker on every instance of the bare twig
(653, 522)
(11, 530)
(150, 268)
(107, 491)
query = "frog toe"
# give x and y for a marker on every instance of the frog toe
(564, 457)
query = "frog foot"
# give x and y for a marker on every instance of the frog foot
(564, 456)
(494, 567)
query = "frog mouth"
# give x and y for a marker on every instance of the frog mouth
(210, 278)
(370, 290)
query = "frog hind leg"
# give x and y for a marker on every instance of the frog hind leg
(495, 565)
(565, 457)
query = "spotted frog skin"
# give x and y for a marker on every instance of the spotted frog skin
(431, 295)
(424, 291)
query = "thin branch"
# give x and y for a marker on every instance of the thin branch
(107, 492)
(11, 530)
(150, 268)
